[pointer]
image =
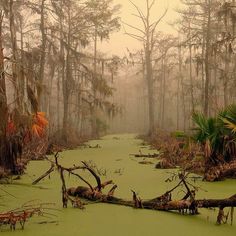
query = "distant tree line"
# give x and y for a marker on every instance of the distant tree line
(191, 71)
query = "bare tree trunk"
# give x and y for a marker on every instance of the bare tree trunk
(149, 78)
(66, 77)
(143, 98)
(67, 92)
(43, 56)
(203, 76)
(58, 99)
(61, 72)
(178, 95)
(182, 87)
(148, 40)
(215, 84)
(226, 77)
(50, 98)
(163, 93)
(66, 101)
(3, 101)
(95, 78)
(15, 66)
(191, 79)
(178, 89)
(149, 72)
(207, 58)
(22, 82)
(7, 157)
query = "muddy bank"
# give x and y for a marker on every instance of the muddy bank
(181, 151)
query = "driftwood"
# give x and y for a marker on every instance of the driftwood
(146, 162)
(159, 203)
(187, 204)
(52, 168)
(163, 203)
(141, 155)
(56, 166)
(96, 146)
(90, 146)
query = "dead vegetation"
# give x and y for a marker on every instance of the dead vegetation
(23, 214)
(176, 152)
(185, 153)
(188, 204)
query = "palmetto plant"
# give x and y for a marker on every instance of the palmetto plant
(217, 135)
(229, 118)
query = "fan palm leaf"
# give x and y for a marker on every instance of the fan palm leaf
(229, 118)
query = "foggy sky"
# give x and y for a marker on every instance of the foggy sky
(119, 41)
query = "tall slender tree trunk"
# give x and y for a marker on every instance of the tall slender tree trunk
(183, 102)
(66, 99)
(163, 94)
(149, 78)
(215, 84)
(50, 98)
(67, 81)
(95, 78)
(207, 58)
(58, 98)
(3, 101)
(226, 75)
(42, 104)
(61, 71)
(149, 73)
(203, 77)
(22, 82)
(144, 99)
(191, 78)
(179, 90)
(15, 65)
(7, 158)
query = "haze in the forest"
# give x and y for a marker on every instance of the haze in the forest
(119, 41)
(117, 66)
(135, 97)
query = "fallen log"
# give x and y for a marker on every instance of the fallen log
(153, 204)
(162, 203)
(187, 204)
(146, 162)
(155, 155)
(96, 146)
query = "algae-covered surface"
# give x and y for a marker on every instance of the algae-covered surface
(113, 162)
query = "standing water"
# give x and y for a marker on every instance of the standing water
(114, 162)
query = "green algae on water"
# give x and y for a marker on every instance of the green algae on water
(105, 219)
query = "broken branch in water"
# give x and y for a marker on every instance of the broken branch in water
(48, 172)
(155, 155)
(163, 203)
(21, 215)
(188, 203)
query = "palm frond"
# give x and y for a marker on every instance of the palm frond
(229, 118)
(230, 125)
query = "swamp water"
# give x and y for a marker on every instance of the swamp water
(113, 162)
